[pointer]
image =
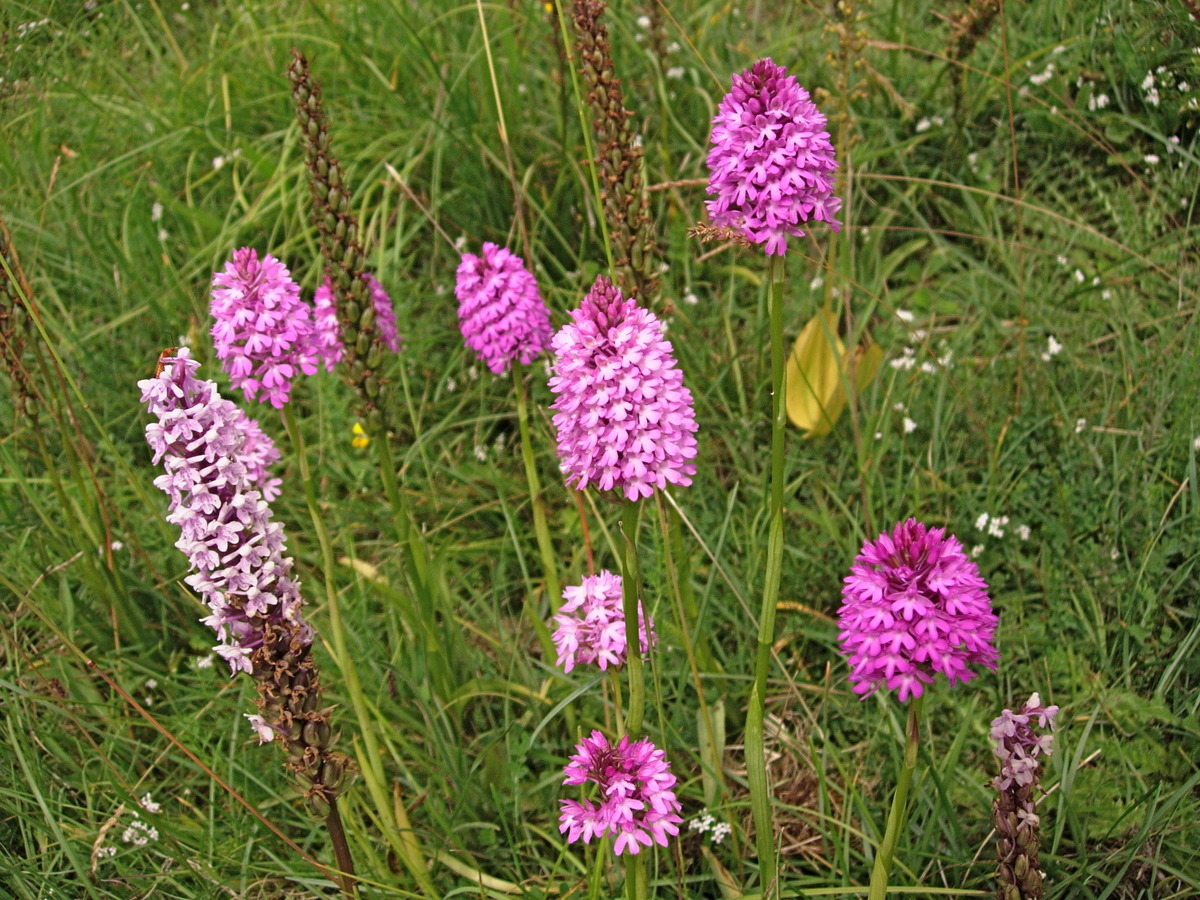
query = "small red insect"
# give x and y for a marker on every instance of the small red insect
(162, 360)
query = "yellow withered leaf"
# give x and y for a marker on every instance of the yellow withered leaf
(816, 371)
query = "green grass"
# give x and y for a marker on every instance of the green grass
(976, 224)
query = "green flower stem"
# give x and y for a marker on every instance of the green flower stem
(897, 816)
(437, 648)
(545, 545)
(371, 759)
(756, 758)
(631, 599)
(407, 534)
(635, 877)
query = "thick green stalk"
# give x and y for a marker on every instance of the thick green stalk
(756, 759)
(545, 544)
(372, 758)
(898, 814)
(408, 536)
(635, 877)
(631, 600)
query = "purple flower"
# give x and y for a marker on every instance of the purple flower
(771, 164)
(236, 550)
(591, 624)
(385, 314)
(914, 605)
(624, 419)
(1018, 745)
(263, 332)
(500, 309)
(636, 802)
(328, 337)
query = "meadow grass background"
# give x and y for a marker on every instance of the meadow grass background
(992, 203)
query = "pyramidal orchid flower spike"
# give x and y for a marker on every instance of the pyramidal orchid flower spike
(213, 461)
(591, 624)
(771, 164)
(263, 331)
(327, 332)
(228, 534)
(636, 802)
(1021, 749)
(624, 419)
(500, 309)
(914, 605)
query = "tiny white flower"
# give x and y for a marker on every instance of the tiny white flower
(1061, 48)
(929, 368)
(1196, 443)
(996, 526)
(905, 315)
(1183, 87)
(1053, 348)
(924, 124)
(1096, 281)
(205, 662)
(973, 162)
(879, 435)
(720, 832)
(116, 545)
(676, 72)
(162, 235)
(481, 452)
(218, 161)
(1080, 424)
(1023, 532)
(261, 727)
(690, 299)
(151, 683)
(976, 551)
(899, 407)
(643, 22)
(106, 851)
(1079, 276)
(460, 242)
(1151, 158)
(981, 521)
(1114, 553)
(147, 803)
(1062, 260)
(909, 425)
(816, 283)
(522, 88)
(1098, 101)
(1045, 75)
(451, 385)
(1106, 294)
(156, 211)
(673, 47)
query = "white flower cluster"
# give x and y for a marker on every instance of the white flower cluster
(1043, 76)
(997, 527)
(707, 823)
(1053, 348)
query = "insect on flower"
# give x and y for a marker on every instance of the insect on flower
(162, 360)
